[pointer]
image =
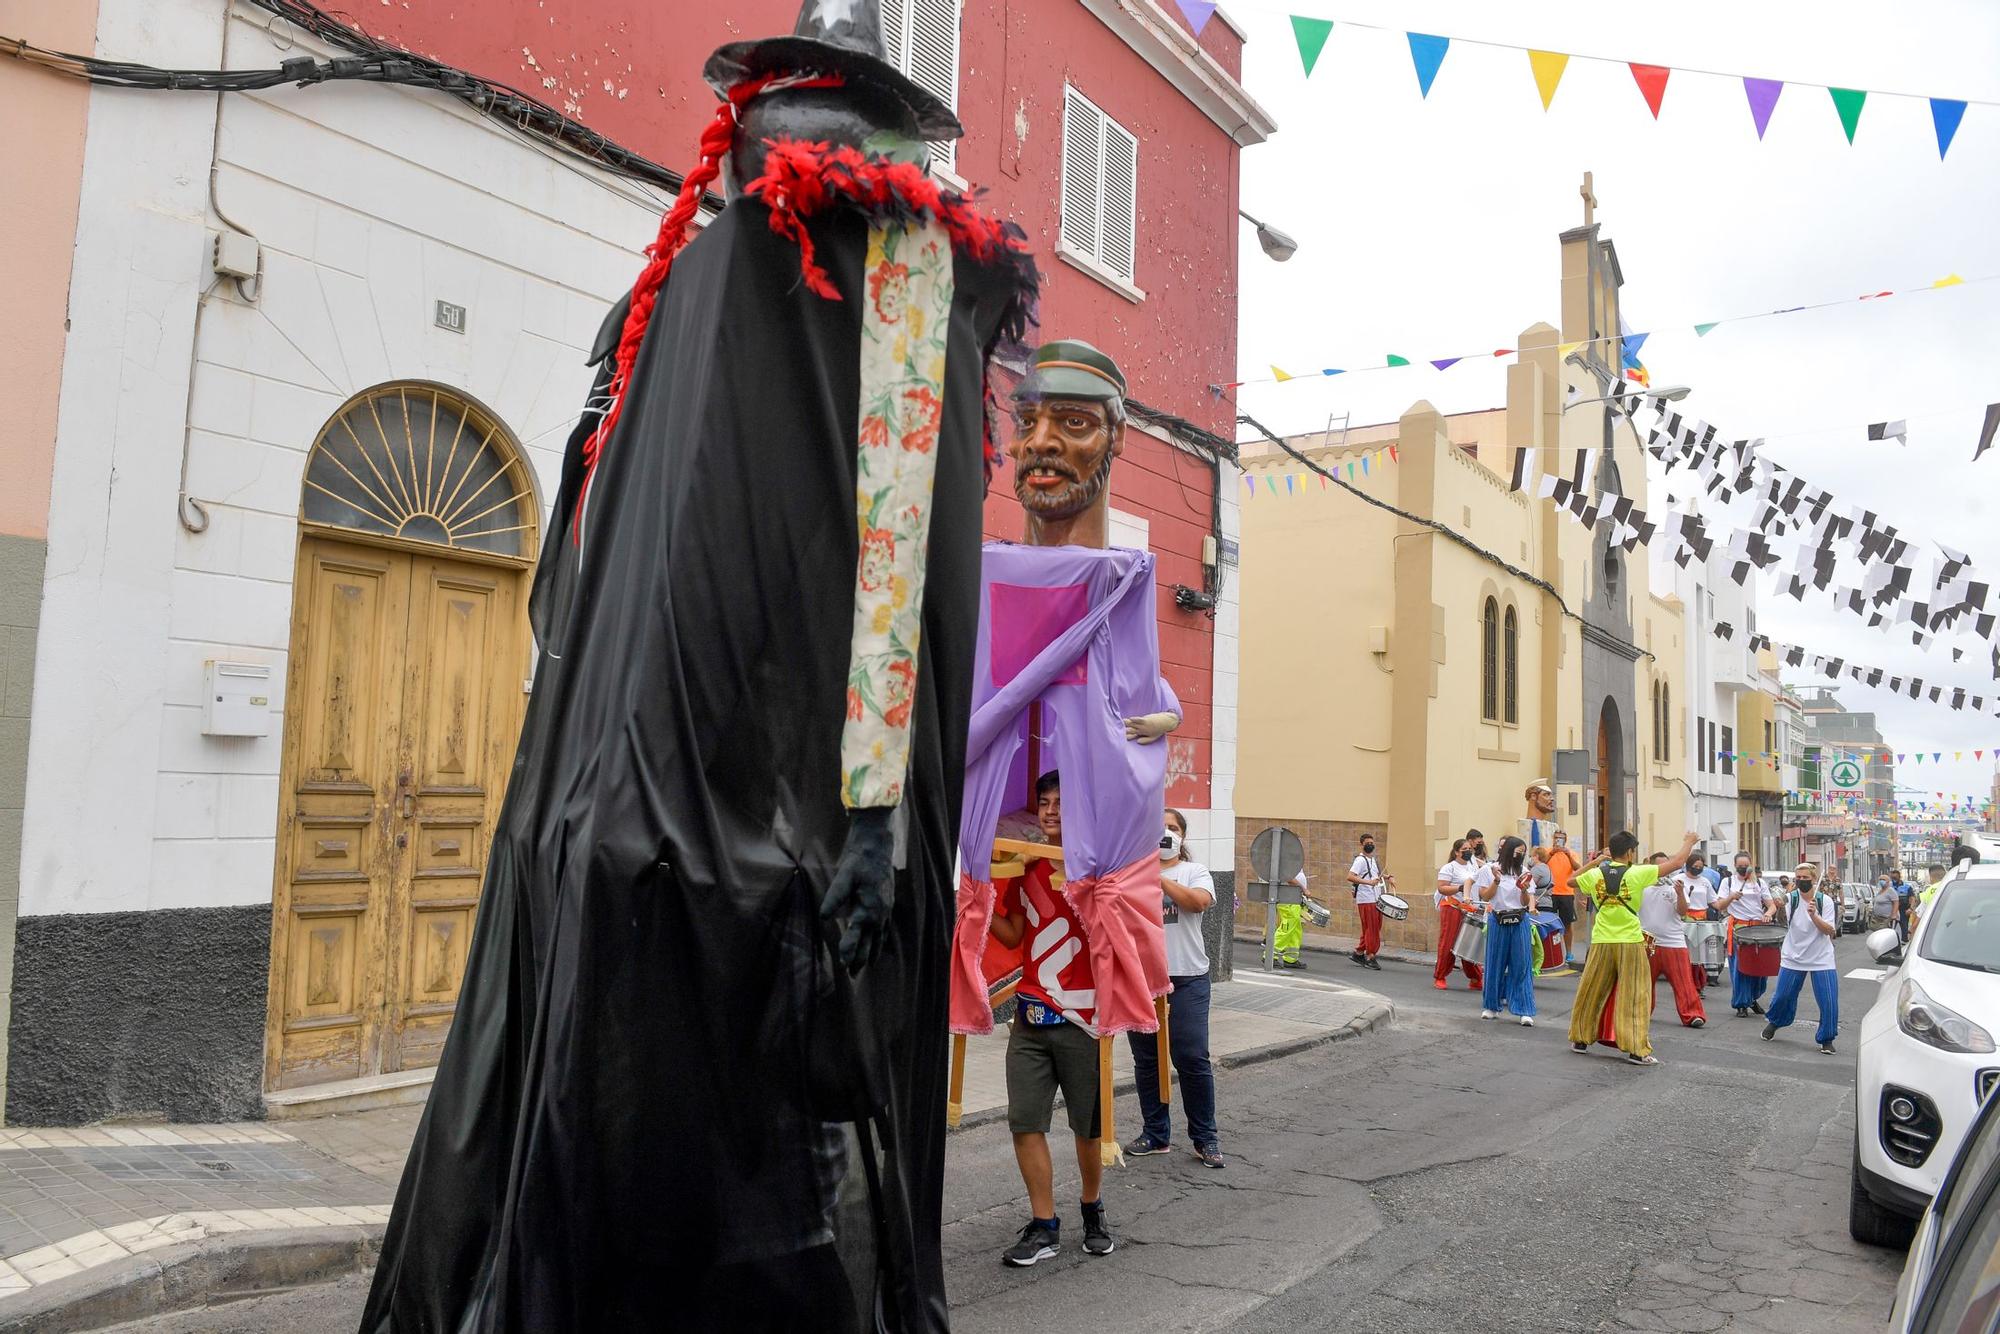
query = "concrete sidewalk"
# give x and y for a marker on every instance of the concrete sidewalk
(112, 1223)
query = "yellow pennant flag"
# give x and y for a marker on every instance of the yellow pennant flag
(1548, 67)
(1564, 349)
(1949, 280)
(1282, 377)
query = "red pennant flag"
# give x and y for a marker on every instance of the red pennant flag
(1652, 81)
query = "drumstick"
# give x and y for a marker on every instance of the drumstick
(1166, 1067)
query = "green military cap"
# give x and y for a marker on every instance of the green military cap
(1071, 368)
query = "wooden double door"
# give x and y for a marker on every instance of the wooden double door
(403, 707)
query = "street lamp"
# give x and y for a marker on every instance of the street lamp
(1673, 393)
(1276, 244)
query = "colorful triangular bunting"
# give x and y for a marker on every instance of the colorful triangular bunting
(1945, 116)
(1652, 81)
(1395, 360)
(1427, 53)
(1311, 35)
(1763, 95)
(1848, 102)
(1280, 375)
(1701, 330)
(1447, 363)
(1548, 67)
(1196, 12)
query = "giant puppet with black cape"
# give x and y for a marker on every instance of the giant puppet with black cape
(697, 1075)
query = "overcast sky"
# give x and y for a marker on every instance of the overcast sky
(1428, 228)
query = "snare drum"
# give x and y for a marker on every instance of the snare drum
(1394, 908)
(1316, 912)
(1758, 950)
(1705, 944)
(1471, 943)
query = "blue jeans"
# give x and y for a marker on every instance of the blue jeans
(1826, 995)
(1743, 990)
(1510, 975)
(1187, 1043)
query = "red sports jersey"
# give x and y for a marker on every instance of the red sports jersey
(1056, 963)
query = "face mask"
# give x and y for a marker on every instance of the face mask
(1170, 846)
(1743, 869)
(1465, 855)
(1368, 847)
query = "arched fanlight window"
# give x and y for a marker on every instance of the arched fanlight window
(1489, 661)
(418, 462)
(1511, 663)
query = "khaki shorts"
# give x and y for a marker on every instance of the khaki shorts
(1042, 1059)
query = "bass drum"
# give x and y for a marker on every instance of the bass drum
(1471, 943)
(1394, 908)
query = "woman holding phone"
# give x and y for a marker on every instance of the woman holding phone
(1509, 894)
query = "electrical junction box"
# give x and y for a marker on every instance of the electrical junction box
(236, 699)
(236, 255)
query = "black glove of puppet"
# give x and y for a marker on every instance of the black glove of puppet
(864, 886)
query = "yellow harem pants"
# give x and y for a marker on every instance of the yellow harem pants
(1620, 975)
(1291, 932)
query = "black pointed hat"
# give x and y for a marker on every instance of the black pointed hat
(834, 37)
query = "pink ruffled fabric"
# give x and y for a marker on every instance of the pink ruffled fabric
(1120, 913)
(971, 956)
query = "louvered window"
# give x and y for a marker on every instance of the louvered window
(922, 40)
(1100, 187)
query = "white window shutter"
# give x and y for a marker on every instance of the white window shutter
(1119, 243)
(931, 59)
(1082, 172)
(896, 33)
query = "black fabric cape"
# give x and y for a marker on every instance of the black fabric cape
(629, 1128)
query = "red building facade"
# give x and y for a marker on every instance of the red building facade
(630, 70)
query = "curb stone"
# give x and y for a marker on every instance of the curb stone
(191, 1275)
(1375, 1016)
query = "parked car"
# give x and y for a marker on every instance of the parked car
(1950, 1281)
(1925, 1061)
(1853, 907)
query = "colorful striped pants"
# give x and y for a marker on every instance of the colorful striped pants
(1615, 975)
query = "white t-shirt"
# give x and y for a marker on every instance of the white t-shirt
(1659, 917)
(1509, 891)
(1808, 949)
(1754, 900)
(1367, 868)
(1697, 888)
(1187, 953)
(1460, 874)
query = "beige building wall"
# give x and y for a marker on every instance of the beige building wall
(1361, 627)
(1665, 801)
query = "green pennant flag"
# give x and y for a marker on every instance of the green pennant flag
(1701, 330)
(1311, 35)
(1848, 101)
(1395, 360)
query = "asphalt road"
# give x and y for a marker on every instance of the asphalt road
(1446, 1174)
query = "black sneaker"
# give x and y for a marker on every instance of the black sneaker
(1096, 1233)
(1357, 957)
(1742, 1012)
(1144, 1146)
(1211, 1156)
(1770, 1031)
(1375, 963)
(1036, 1244)
(1756, 1007)
(1697, 1022)
(1580, 1048)
(1826, 1049)
(1292, 963)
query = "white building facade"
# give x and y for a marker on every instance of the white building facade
(1718, 672)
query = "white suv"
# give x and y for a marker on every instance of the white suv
(1928, 1056)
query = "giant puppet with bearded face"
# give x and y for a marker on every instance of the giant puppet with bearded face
(1066, 677)
(696, 1078)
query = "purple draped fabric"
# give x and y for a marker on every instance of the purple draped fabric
(1074, 628)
